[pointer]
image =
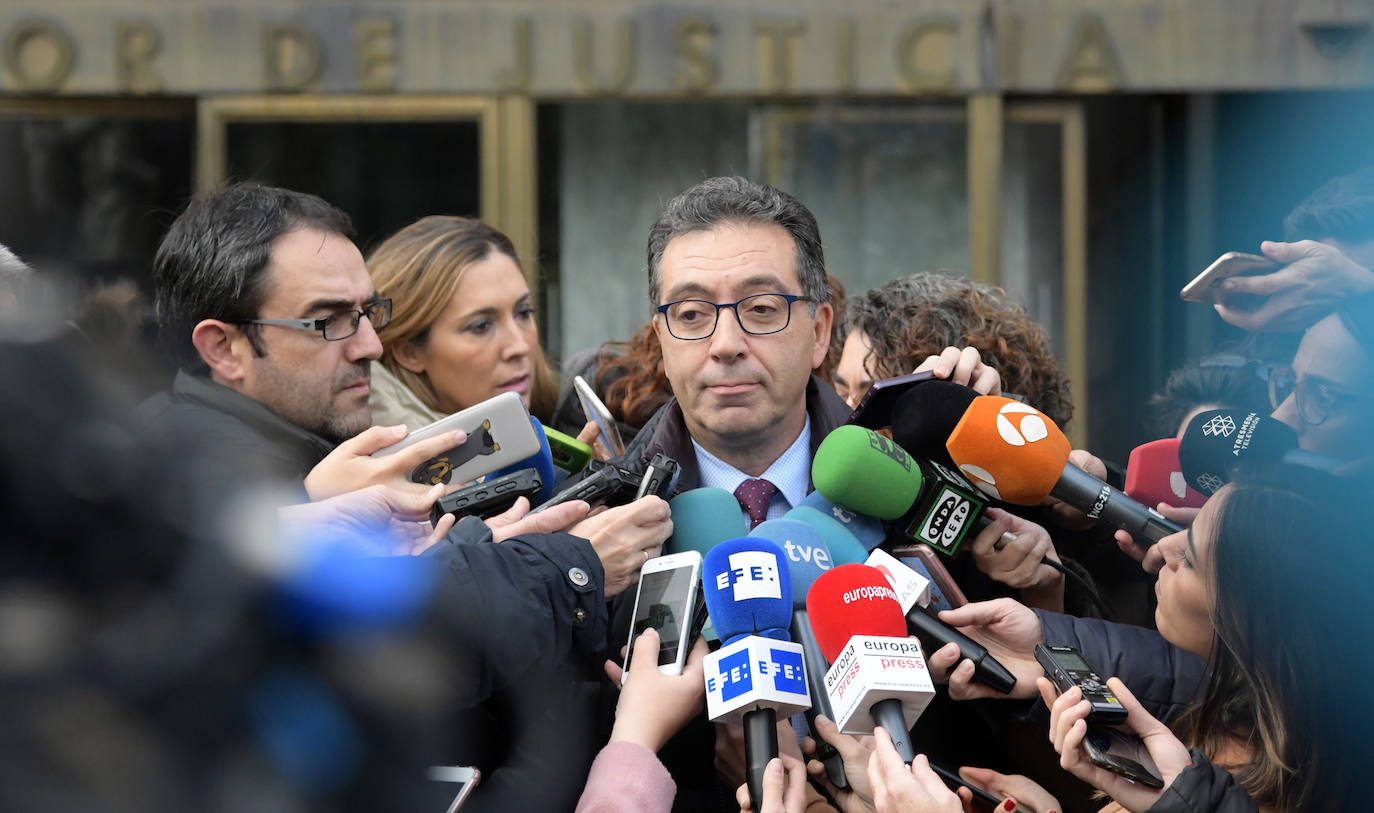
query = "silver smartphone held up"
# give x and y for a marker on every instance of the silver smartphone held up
(499, 434)
(1203, 287)
(596, 411)
(667, 599)
(464, 777)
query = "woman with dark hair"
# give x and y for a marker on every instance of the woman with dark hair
(1269, 585)
(462, 327)
(892, 329)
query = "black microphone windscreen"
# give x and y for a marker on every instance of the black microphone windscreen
(1218, 439)
(925, 416)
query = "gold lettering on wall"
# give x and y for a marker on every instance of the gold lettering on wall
(1090, 63)
(585, 78)
(694, 39)
(293, 57)
(38, 55)
(926, 54)
(518, 77)
(775, 53)
(375, 46)
(136, 43)
(846, 75)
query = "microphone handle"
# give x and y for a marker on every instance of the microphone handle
(1102, 502)
(760, 747)
(934, 633)
(816, 668)
(888, 714)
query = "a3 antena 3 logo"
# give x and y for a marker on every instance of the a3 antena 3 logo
(1019, 424)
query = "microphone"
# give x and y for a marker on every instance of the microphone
(866, 529)
(865, 472)
(541, 462)
(1154, 475)
(1217, 440)
(807, 558)
(913, 596)
(844, 547)
(758, 672)
(1011, 451)
(925, 416)
(878, 676)
(702, 519)
(860, 470)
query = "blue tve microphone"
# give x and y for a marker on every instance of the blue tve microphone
(541, 462)
(844, 547)
(758, 673)
(868, 530)
(807, 557)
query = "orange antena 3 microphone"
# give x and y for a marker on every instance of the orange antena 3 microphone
(1015, 453)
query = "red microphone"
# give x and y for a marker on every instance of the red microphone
(1154, 475)
(1014, 452)
(878, 676)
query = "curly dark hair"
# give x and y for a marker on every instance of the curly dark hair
(915, 316)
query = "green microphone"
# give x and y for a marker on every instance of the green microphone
(865, 472)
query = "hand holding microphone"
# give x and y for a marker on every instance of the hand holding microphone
(1009, 630)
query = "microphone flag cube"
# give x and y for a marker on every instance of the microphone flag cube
(755, 672)
(943, 515)
(911, 587)
(872, 668)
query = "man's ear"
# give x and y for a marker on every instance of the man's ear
(409, 356)
(222, 346)
(825, 315)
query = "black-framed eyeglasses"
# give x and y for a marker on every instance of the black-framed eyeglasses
(1314, 399)
(760, 314)
(336, 326)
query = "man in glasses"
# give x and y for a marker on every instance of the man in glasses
(742, 311)
(265, 306)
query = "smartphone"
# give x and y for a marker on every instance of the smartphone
(875, 408)
(597, 411)
(466, 778)
(490, 497)
(1121, 752)
(1203, 287)
(667, 599)
(568, 453)
(499, 434)
(1066, 668)
(944, 593)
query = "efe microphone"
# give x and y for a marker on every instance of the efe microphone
(758, 672)
(807, 558)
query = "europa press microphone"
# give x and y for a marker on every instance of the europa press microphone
(877, 675)
(1011, 451)
(807, 558)
(1217, 440)
(758, 672)
(859, 469)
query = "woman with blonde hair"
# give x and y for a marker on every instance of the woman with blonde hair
(462, 328)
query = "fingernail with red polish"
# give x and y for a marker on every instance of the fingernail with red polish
(1009, 805)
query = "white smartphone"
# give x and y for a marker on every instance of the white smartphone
(499, 434)
(1203, 287)
(669, 600)
(595, 410)
(466, 778)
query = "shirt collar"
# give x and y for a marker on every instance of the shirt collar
(791, 472)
